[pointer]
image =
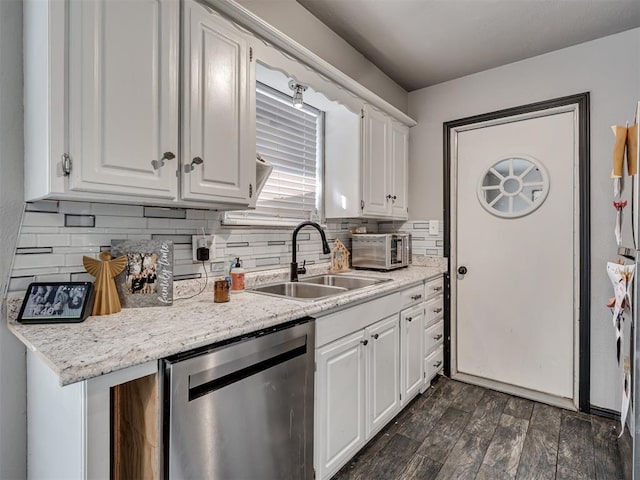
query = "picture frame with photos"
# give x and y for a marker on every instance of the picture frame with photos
(147, 280)
(57, 302)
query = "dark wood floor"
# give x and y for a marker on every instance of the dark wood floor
(460, 431)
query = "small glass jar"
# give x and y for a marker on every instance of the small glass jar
(220, 291)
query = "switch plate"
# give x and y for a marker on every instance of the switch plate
(434, 227)
(199, 241)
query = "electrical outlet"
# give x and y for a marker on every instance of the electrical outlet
(434, 227)
(198, 241)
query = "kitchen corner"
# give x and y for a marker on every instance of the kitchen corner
(109, 343)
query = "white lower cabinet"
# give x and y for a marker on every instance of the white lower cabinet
(340, 407)
(433, 363)
(433, 324)
(383, 362)
(70, 428)
(359, 392)
(412, 334)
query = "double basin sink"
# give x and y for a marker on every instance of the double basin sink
(318, 287)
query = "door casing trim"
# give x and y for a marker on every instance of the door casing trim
(581, 101)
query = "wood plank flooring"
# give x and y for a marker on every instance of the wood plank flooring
(458, 431)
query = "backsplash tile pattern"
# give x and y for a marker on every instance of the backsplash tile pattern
(50, 251)
(422, 242)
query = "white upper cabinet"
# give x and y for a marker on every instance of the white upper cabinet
(102, 93)
(123, 97)
(218, 117)
(376, 167)
(369, 181)
(385, 155)
(399, 170)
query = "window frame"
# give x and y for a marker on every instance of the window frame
(253, 217)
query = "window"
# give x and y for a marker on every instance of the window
(291, 140)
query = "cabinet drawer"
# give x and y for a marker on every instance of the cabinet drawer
(433, 337)
(433, 363)
(413, 295)
(434, 310)
(435, 287)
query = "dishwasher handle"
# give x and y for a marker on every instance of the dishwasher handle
(215, 378)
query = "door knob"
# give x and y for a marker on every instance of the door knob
(462, 270)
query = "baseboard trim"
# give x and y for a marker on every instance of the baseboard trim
(604, 412)
(536, 396)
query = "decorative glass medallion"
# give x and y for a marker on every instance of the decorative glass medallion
(513, 187)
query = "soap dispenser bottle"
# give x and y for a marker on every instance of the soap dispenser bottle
(237, 277)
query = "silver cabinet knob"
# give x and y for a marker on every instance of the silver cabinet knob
(437, 310)
(416, 297)
(190, 167)
(437, 289)
(438, 337)
(364, 342)
(156, 164)
(437, 364)
(375, 336)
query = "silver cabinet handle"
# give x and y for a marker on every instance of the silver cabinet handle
(190, 167)
(156, 164)
(409, 319)
(416, 297)
(437, 364)
(437, 310)
(437, 289)
(438, 337)
(364, 342)
(375, 336)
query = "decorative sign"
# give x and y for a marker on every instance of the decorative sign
(147, 280)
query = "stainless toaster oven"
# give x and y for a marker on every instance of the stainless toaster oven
(381, 251)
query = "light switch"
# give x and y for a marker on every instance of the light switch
(434, 227)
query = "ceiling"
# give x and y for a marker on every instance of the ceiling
(424, 42)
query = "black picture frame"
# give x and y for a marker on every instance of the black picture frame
(57, 302)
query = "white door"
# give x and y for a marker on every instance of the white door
(383, 376)
(219, 140)
(340, 402)
(515, 323)
(412, 351)
(123, 97)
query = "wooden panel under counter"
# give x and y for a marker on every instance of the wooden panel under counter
(135, 441)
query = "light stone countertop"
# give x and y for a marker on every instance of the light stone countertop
(100, 345)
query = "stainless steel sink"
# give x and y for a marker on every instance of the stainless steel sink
(299, 290)
(350, 282)
(317, 287)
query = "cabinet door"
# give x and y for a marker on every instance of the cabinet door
(383, 373)
(399, 167)
(123, 96)
(219, 152)
(376, 182)
(411, 351)
(340, 420)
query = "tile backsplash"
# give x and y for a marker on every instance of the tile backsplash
(422, 242)
(55, 235)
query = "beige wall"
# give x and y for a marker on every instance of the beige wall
(609, 68)
(298, 23)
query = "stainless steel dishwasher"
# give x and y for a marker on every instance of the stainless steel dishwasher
(243, 410)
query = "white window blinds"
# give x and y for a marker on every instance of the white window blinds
(290, 139)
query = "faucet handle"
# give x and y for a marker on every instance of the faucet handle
(302, 270)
